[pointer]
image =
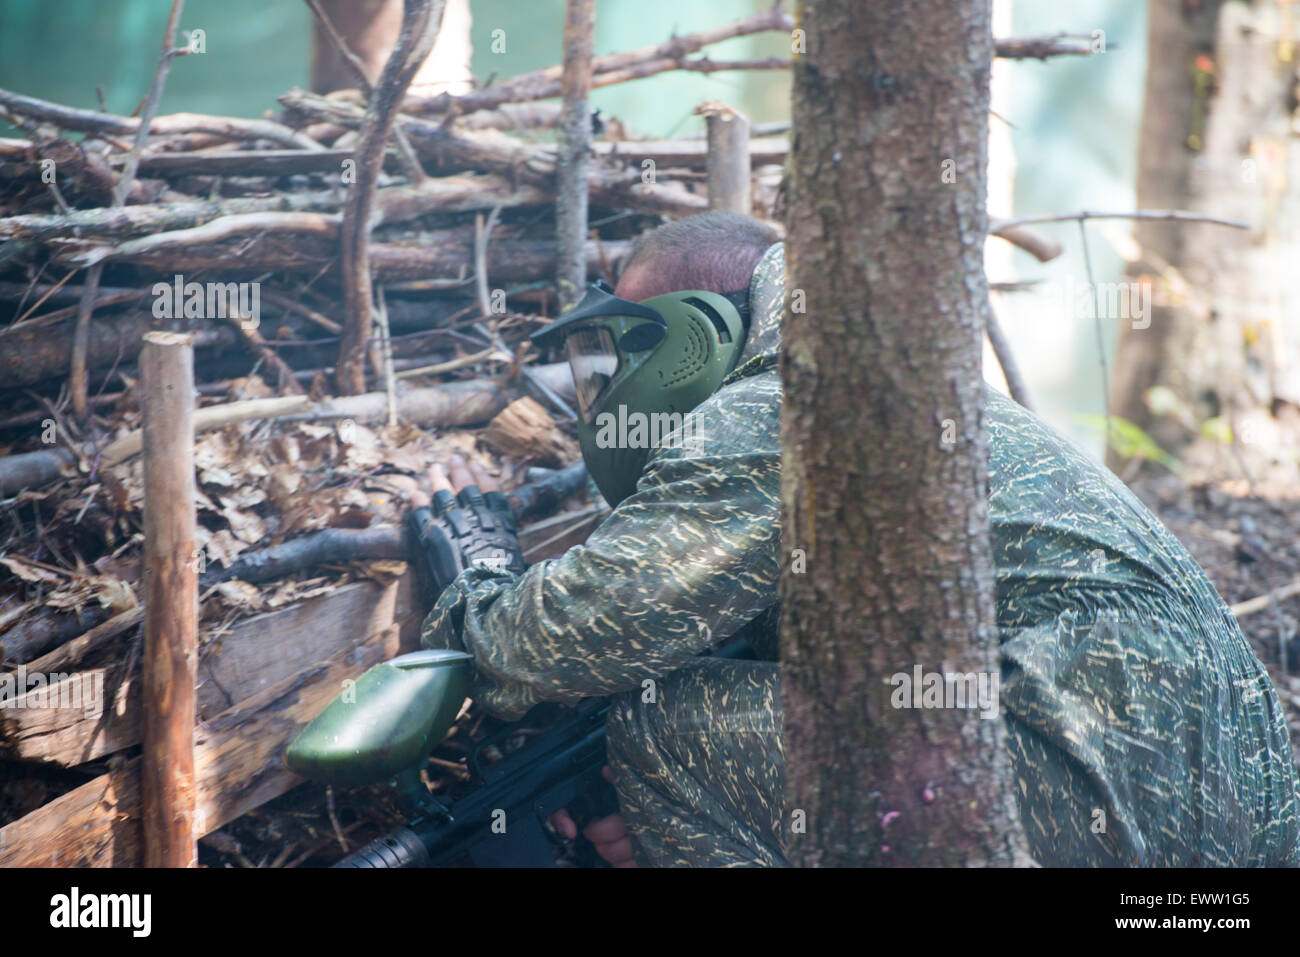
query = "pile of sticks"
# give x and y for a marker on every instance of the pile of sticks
(460, 226)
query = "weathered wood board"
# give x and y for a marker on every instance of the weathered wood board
(238, 766)
(255, 654)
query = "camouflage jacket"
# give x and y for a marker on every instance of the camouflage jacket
(1121, 664)
(686, 561)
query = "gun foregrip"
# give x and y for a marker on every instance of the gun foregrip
(401, 848)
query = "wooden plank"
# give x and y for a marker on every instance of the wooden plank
(238, 763)
(263, 651)
(255, 654)
(552, 537)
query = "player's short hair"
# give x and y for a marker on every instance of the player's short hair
(715, 251)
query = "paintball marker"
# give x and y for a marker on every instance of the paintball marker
(384, 728)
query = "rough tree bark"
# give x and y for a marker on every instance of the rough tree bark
(1219, 137)
(571, 186)
(884, 468)
(418, 32)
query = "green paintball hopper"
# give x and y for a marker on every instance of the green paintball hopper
(385, 724)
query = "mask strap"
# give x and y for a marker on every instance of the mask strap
(740, 299)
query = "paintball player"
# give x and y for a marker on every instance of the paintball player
(1128, 689)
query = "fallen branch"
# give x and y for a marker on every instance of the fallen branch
(81, 342)
(213, 417)
(382, 542)
(546, 83)
(1260, 602)
(38, 350)
(244, 162)
(253, 339)
(443, 406)
(227, 227)
(1172, 215)
(47, 629)
(35, 469)
(78, 649)
(1007, 360)
(493, 151)
(436, 253)
(393, 204)
(81, 333)
(545, 495)
(93, 121)
(420, 23)
(692, 154)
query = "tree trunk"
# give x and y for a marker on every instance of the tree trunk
(370, 27)
(885, 461)
(1223, 335)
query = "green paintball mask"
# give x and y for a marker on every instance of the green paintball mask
(640, 367)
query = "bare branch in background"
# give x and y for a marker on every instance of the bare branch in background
(419, 30)
(81, 336)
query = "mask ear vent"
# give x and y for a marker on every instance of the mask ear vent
(724, 334)
(694, 355)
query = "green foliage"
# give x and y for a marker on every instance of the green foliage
(1217, 428)
(1131, 442)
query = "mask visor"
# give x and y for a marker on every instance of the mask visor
(593, 361)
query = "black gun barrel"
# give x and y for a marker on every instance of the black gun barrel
(568, 758)
(402, 848)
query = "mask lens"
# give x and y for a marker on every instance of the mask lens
(594, 360)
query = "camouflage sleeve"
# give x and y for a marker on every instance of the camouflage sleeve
(679, 566)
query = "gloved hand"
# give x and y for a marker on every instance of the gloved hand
(473, 528)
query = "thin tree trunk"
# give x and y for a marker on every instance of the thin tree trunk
(1223, 333)
(415, 40)
(571, 186)
(885, 462)
(368, 27)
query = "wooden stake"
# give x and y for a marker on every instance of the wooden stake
(571, 185)
(728, 157)
(170, 601)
